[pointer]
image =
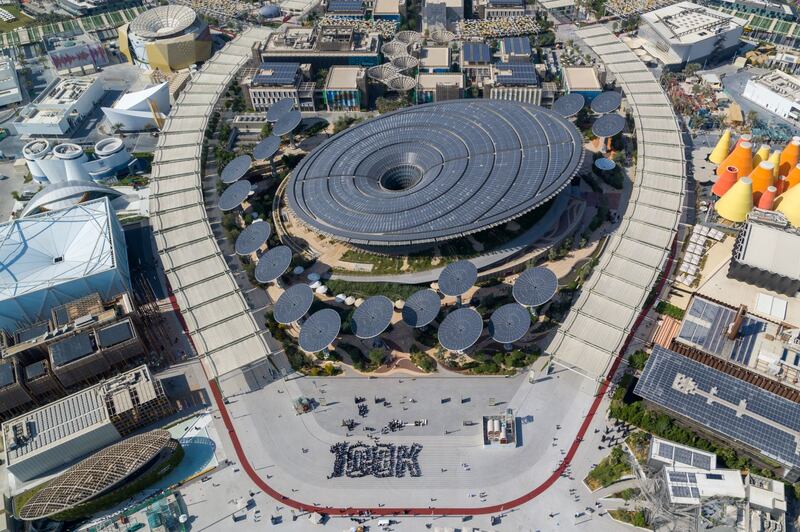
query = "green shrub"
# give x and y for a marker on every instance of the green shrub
(669, 309)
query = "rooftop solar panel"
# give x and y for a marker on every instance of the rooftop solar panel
(516, 74)
(476, 52)
(388, 181)
(569, 104)
(233, 196)
(293, 303)
(34, 331)
(287, 123)
(319, 330)
(509, 323)
(606, 102)
(273, 264)
(267, 147)
(279, 108)
(35, 370)
(272, 74)
(608, 125)
(421, 308)
(734, 409)
(236, 169)
(71, 349)
(535, 286)
(517, 45)
(666, 451)
(677, 476)
(460, 329)
(252, 238)
(117, 333)
(372, 317)
(701, 461)
(681, 491)
(345, 6)
(457, 277)
(6, 375)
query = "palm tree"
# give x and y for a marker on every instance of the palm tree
(117, 129)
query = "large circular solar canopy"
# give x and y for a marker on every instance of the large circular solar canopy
(372, 317)
(320, 330)
(457, 278)
(569, 104)
(236, 169)
(435, 172)
(253, 237)
(163, 21)
(273, 264)
(535, 287)
(608, 125)
(421, 308)
(293, 303)
(267, 147)
(606, 102)
(287, 123)
(509, 323)
(234, 195)
(460, 329)
(279, 108)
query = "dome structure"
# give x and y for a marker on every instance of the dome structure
(167, 38)
(270, 11)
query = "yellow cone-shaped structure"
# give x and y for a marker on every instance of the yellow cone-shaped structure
(722, 149)
(789, 204)
(775, 159)
(761, 155)
(762, 178)
(741, 158)
(790, 156)
(793, 177)
(737, 202)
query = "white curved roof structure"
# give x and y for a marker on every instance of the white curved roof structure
(598, 324)
(65, 194)
(163, 21)
(218, 318)
(135, 110)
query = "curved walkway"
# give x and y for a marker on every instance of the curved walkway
(591, 338)
(218, 318)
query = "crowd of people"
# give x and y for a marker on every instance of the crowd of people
(381, 460)
(386, 28)
(498, 27)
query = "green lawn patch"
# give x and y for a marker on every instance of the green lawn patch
(390, 290)
(670, 310)
(19, 22)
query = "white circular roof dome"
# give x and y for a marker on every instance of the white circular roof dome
(163, 21)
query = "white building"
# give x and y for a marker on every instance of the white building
(68, 162)
(275, 81)
(62, 106)
(57, 257)
(140, 110)
(686, 32)
(777, 92)
(9, 82)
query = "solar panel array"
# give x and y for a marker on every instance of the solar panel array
(457, 277)
(517, 45)
(287, 122)
(608, 125)
(509, 323)
(705, 327)
(345, 6)
(293, 303)
(233, 196)
(435, 172)
(372, 317)
(236, 169)
(279, 109)
(732, 408)
(569, 104)
(460, 329)
(681, 455)
(606, 102)
(252, 238)
(276, 74)
(515, 74)
(320, 330)
(421, 308)
(273, 264)
(267, 147)
(613, 296)
(534, 287)
(476, 52)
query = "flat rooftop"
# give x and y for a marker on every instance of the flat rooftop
(781, 83)
(687, 22)
(343, 78)
(434, 57)
(65, 91)
(386, 7)
(427, 81)
(582, 79)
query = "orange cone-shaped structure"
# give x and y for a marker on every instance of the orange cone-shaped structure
(790, 156)
(737, 202)
(789, 204)
(793, 177)
(767, 199)
(725, 181)
(775, 159)
(741, 158)
(762, 179)
(761, 155)
(722, 149)
(782, 184)
(747, 137)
